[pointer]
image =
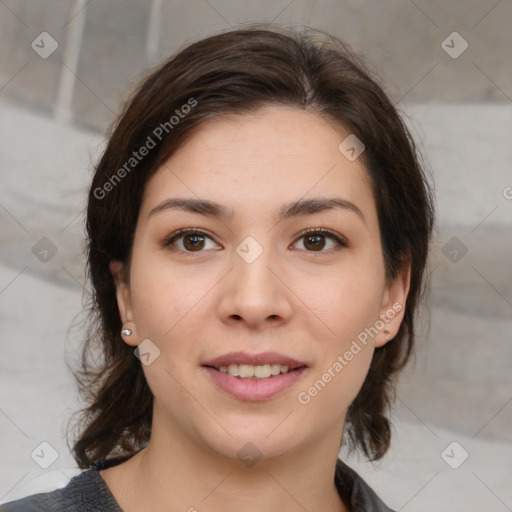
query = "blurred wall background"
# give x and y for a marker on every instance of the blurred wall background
(65, 69)
(103, 46)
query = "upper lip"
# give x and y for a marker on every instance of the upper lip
(254, 359)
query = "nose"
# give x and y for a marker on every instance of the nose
(255, 292)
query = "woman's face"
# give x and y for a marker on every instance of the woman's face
(252, 282)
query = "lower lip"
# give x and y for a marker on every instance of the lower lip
(254, 389)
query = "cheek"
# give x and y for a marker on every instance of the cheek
(169, 306)
(158, 299)
(345, 308)
(165, 307)
(345, 302)
(343, 358)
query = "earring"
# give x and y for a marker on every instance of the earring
(126, 332)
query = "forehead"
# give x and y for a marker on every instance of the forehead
(261, 160)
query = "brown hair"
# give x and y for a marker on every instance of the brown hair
(233, 73)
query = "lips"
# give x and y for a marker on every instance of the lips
(254, 389)
(254, 360)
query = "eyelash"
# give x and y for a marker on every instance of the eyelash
(340, 241)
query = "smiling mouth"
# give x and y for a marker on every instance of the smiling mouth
(249, 371)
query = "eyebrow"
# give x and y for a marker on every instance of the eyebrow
(287, 211)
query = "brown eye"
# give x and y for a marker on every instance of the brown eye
(315, 240)
(188, 240)
(193, 242)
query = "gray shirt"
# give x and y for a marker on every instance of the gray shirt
(88, 492)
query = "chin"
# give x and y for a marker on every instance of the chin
(252, 437)
(249, 448)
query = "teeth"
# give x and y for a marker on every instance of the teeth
(249, 371)
(233, 370)
(262, 371)
(275, 369)
(245, 371)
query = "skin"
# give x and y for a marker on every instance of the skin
(305, 303)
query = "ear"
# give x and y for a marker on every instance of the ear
(124, 301)
(393, 302)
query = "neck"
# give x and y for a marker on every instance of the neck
(176, 473)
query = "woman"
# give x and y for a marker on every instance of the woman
(258, 229)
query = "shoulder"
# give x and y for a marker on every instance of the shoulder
(86, 492)
(357, 492)
(41, 502)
